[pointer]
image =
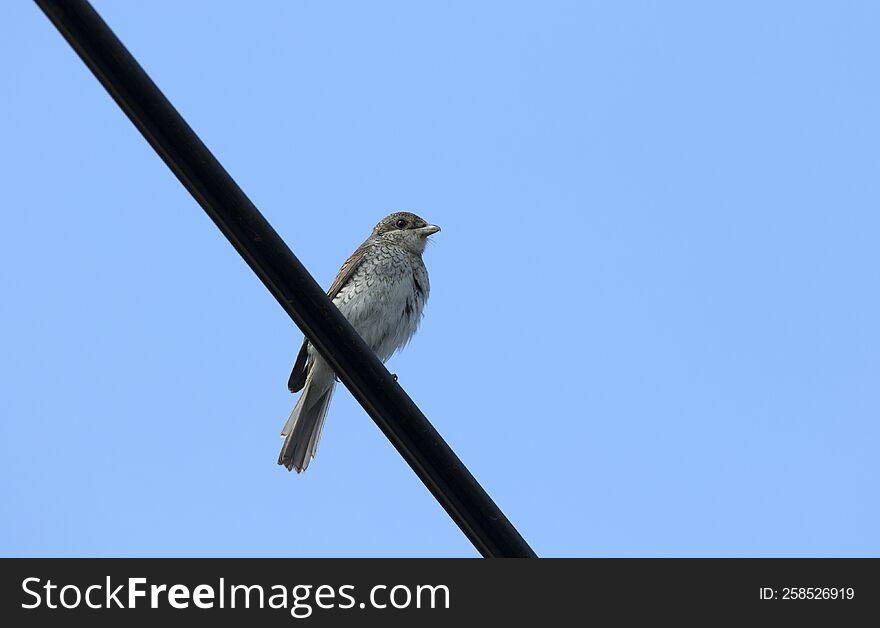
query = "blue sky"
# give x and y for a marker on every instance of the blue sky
(653, 327)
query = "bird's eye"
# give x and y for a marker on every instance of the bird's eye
(401, 223)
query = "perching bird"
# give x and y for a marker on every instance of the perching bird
(381, 289)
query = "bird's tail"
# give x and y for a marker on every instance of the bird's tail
(303, 428)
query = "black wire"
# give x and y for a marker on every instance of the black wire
(287, 279)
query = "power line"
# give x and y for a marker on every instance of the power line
(287, 279)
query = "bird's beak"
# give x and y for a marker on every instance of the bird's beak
(427, 230)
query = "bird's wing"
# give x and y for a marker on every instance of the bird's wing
(348, 268)
(301, 367)
(298, 374)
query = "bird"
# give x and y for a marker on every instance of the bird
(382, 290)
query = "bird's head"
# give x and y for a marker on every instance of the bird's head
(406, 230)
